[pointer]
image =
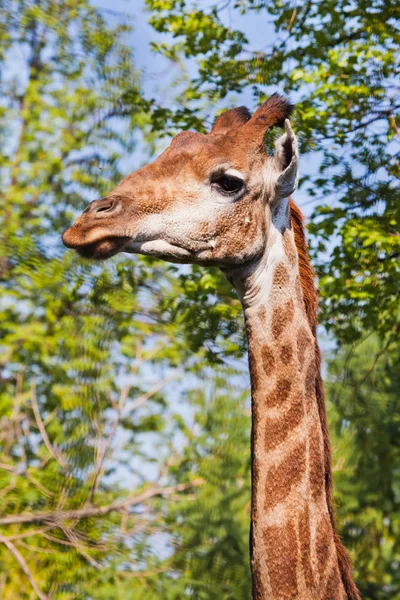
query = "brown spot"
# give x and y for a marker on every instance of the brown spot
(305, 549)
(254, 376)
(334, 586)
(286, 353)
(281, 478)
(323, 543)
(304, 341)
(277, 430)
(255, 475)
(281, 317)
(281, 276)
(262, 313)
(251, 336)
(268, 360)
(258, 577)
(310, 382)
(289, 248)
(317, 481)
(280, 392)
(281, 546)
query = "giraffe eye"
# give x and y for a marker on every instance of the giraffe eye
(227, 185)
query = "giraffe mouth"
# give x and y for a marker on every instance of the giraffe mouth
(99, 247)
(170, 250)
(102, 249)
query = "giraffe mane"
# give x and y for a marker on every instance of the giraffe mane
(310, 295)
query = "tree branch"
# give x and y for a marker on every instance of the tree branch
(119, 407)
(56, 454)
(378, 116)
(58, 516)
(24, 566)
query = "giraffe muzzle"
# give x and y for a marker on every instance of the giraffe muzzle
(96, 233)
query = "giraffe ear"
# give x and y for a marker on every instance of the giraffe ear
(271, 113)
(283, 168)
(230, 119)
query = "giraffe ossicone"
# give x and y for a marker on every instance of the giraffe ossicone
(220, 199)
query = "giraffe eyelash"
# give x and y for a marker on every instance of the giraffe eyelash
(227, 185)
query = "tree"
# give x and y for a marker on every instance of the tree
(209, 533)
(88, 420)
(75, 398)
(339, 61)
(364, 415)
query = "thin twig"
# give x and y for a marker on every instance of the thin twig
(56, 454)
(378, 115)
(119, 407)
(292, 19)
(37, 484)
(10, 468)
(58, 517)
(392, 121)
(224, 6)
(142, 399)
(28, 533)
(84, 540)
(358, 384)
(24, 566)
(79, 548)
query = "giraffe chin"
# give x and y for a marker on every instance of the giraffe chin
(102, 249)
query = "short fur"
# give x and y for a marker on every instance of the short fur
(307, 277)
(273, 112)
(230, 119)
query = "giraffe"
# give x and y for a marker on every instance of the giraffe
(220, 199)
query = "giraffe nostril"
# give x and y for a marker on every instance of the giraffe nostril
(105, 207)
(102, 206)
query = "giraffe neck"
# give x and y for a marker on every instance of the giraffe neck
(293, 550)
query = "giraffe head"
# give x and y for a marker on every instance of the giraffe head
(208, 199)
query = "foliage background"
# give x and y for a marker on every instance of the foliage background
(124, 454)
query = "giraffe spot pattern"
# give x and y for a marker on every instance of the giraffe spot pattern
(333, 587)
(304, 341)
(280, 392)
(324, 543)
(286, 353)
(255, 476)
(262, 313)
(317, 472)
(258, 587)
(281, 547)
(281, 478)
(305, 542)
(250, 336)
(310, 380)
(268, 361)
(281, 276)
(254, 375)
(310, 383)
(277, 430)
(281, 317)
(289, 248)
